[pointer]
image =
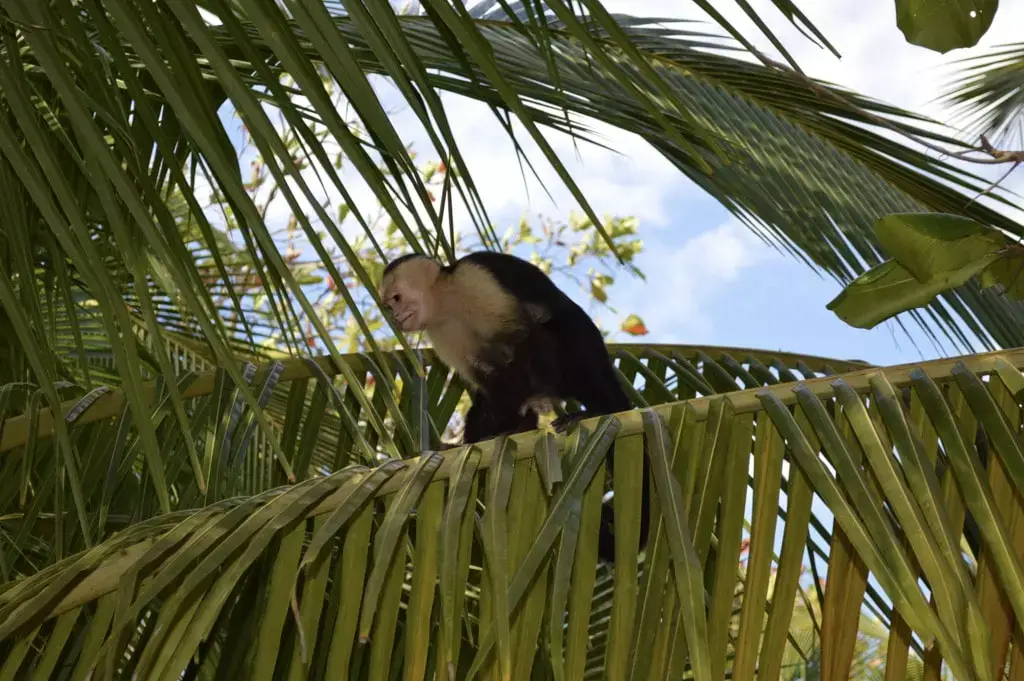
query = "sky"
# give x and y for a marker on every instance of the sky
(710, 280)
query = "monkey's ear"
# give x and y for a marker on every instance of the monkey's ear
(537, 312)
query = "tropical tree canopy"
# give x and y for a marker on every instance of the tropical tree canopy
(219, 459)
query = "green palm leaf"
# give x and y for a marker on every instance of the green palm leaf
(318, 424)
(166, 594)
(987, 93)
(798, 166)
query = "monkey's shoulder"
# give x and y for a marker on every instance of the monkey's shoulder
(473, 295)
(519, 278)
(520, 283)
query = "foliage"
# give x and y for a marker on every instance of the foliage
(559, 248)
(747, 111)
(931, 253)
(362, 570)
(212, 515)
(947, 24)
(987, 94)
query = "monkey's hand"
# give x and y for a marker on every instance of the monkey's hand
(562, 423)
(538, 405)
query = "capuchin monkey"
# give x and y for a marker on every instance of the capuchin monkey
(520, 343)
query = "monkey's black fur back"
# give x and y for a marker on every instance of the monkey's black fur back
(562, 355)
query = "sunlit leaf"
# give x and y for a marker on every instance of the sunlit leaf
(930, 245)
(944, 25)
(634, 326)
(888, 289)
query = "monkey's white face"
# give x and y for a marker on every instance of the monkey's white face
(406, 293)
(405, 305)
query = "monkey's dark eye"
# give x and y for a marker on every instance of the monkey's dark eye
(397, 298)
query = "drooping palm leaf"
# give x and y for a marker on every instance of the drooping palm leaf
(816, 201)
(316, 439)
(107, 111)
(171, 594)
(762, 112)
(987, 93)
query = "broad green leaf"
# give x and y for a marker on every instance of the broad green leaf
(581, 559)
(889, 289)
(51, 655)
(1007, 272)
(768, 459)
(730, 530)
(932, 245)
(278, 598)
(686, 564)
(944, 25)
(499, 487)
(527, 623)
(629, 478)
(307, 622)
(967, 469)
(385, 547)
(560, 586)
(931, 253)
(350, 577)
(424, 576)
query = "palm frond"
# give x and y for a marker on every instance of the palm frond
(315, 419)
(890, 451)
(987, 94)
(801, 162)
(147, 435)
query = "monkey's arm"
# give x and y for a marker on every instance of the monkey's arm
(486, 419)
(586, 370)
(516, 369)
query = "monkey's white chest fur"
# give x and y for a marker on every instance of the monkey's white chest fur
(456, 345)
(476, 310)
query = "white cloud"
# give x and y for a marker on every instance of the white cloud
(634, 181)
(682, 282)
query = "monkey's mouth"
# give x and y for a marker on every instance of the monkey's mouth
(403, 320)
